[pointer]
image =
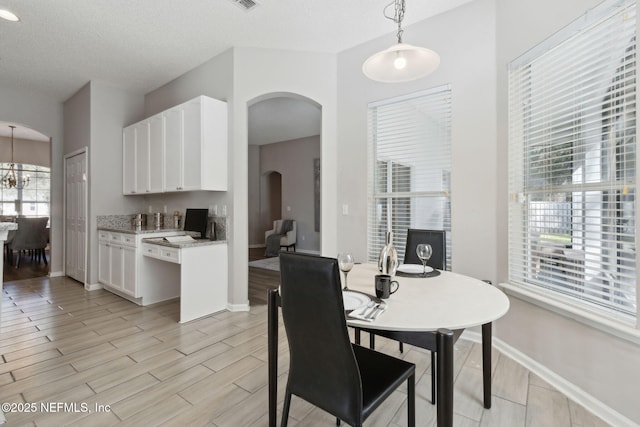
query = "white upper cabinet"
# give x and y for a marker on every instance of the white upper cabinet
(156, 154)
(173, 149)
(135, 157)
(185, 149)
(142, 157)
(129, 160)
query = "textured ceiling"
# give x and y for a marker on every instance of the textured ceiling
(139, 45)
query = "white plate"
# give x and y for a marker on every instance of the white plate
(353, 300)
(413, 269)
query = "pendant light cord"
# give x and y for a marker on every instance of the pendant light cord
(397, 17)
(12, 128)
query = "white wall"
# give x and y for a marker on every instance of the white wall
(26, 151)
(259, 72)
(256, 228)
(233, 77)
(599, 364)
(94, 117)
(294, 161)
(465, 40)
(44, 114)
(111, 109)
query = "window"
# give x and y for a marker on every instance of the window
(572, 164)
(409, 168)
(34, 199)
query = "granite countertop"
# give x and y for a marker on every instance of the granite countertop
(134, 230)
(197, 242)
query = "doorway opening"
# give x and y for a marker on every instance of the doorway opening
(27, 152)
(271, 197)
(284, 137)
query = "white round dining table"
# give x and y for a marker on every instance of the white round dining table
(448, 300)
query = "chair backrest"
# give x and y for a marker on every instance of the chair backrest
(31, 233)
(436, 238)
(323, 368)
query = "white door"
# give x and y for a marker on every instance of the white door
(76, 215)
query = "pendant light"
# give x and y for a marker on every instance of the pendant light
(10, 180)
(402, 62)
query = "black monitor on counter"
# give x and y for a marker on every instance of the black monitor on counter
(196, 220)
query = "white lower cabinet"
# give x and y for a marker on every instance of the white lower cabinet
(119, 257)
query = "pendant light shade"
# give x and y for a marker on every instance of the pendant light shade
(401, 62)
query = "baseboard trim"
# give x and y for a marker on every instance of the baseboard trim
(56, 273)
(256, 246)
(92, 286)
(238, 307)
(573, 392)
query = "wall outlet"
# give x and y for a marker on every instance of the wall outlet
(345, 209)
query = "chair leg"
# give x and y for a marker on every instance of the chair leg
(337, 421)
(357, 335)
(411, 402)
(44, 256)
(372, 341)
(401, 347)
(433, 378)
(285, 408)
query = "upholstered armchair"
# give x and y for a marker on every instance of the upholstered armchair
(288, 239)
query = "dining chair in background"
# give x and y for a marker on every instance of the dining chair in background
(437, 240)
(438, 260)
(31, 235)
(326, 369)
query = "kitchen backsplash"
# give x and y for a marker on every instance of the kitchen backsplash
(124, 222)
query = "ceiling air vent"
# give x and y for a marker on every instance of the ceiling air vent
(245, 4)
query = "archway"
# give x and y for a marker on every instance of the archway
(284, 136)
(30, 151)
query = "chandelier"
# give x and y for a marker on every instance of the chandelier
(10, 180)
(401, 62)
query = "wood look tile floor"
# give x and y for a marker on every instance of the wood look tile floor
(139, 367)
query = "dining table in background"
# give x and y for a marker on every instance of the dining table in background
(428, 312)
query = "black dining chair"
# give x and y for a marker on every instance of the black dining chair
(438, 260)
(436, 238)
(326, 369)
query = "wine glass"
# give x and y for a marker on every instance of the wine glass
(424, 251)
(345, 262)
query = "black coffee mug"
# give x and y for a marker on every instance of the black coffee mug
(384, 286)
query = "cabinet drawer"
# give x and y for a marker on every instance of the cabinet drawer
(169, 254)
(151, 250)
(128, 240)
(115, 238)
(103, 235)
(161, 252)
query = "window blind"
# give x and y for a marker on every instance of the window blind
(409, 167)
(572, 163)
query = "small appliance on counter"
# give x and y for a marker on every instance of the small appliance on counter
(139, 220)
(158, 220)
(177, 219)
